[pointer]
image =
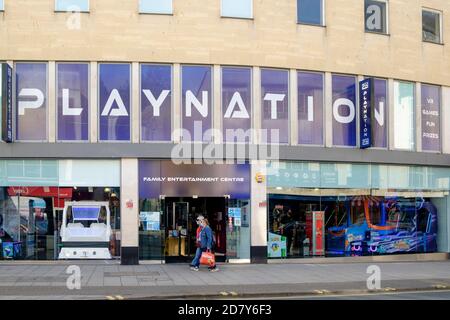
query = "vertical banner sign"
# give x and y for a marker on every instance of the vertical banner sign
(156, 102)
(73, 101)
(379, 120)
(197, 103)
(404, 116)
(31, 100)
(431, 129)
(236, 104)
(6, 107)
(275, 106)
(365, 113)
(344, 110)
(310, 108)
(114, 102)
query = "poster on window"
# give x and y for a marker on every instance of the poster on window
(31, 101)
(431, 128)
(73, 101)
(156, 102)
(236, 104)
(310, 108)
(114, 102)
(344, 110)
(197, 100)
(404, 116)
(275, 106)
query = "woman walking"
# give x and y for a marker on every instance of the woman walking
(205, 245)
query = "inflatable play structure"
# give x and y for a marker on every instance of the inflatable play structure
(406, 227)
(86, 230)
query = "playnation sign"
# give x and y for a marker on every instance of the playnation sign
(156, 104)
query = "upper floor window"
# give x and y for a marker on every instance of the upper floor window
(2, 6)
(156, 6)
(310, 12)
(72, 5)
(375, 12)
(431, 26)
(237, 9)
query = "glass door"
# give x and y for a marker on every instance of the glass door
(177, 231)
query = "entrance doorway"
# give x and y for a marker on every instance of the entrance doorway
(180, 216)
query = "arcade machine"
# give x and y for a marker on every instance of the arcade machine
(86, 230)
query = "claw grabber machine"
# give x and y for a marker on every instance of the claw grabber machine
(86, 230)
(315, 231)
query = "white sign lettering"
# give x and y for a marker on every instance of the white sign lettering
(336, 110)
(274, 98)
(67, 110)
(156, 103)
(242, 113)
(191, 100)
(310, 108)
(121, 111)
(36, 104)
(379, 114)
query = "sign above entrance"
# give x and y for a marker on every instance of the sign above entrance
(166, 178)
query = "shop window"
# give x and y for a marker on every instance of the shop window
(155, 6)
(431, 26)
(237, 9)
(72, 5)
(31, 220)
(375, 12)
(345, 222)
(310, 12)
(404, 116)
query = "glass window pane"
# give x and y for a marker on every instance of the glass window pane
(2, 5)
(275, 106)
(404, 116)
(31, 83)
(310, 108)
(236, 104)
(431, 129)
(72, 5)
(431, 28)
(375, 16)
(197, 102)
(310, 11)
(155, 6)
(237, 8)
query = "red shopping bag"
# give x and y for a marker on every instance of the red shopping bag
(208, 259)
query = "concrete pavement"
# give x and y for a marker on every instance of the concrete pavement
(110, 280)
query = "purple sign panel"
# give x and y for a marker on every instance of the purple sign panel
(166, 178)
(114, 102)
(236, 104)
(196, 103)
(431, 128)
(344, 110)
(365, 113)
(156, 102)
(6, 102)
(310, 108)
(31, 97)
(73, 101)
(275, 106)
(379, 121)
